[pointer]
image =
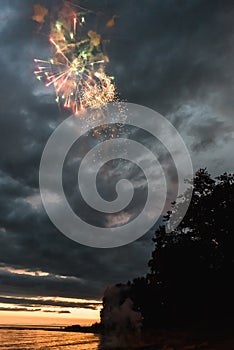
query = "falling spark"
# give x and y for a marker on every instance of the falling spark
(74, 24)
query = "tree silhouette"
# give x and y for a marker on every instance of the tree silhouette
(192, 268)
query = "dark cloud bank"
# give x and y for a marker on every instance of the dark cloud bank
(176, 57)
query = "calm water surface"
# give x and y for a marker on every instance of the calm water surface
(39, 339)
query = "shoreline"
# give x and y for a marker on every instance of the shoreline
(75, 329)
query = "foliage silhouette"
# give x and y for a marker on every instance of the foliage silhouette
(192, 268)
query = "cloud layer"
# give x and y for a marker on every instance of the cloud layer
(175, 57)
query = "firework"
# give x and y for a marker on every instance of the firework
(76, 68)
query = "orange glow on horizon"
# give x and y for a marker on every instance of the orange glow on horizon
(76, 316)
(48, 314)
(21, 318)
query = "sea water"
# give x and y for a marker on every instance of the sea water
(23, 339)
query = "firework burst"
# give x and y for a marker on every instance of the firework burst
(76, 68)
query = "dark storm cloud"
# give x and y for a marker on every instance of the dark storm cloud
(209, 134)
(58, 312)
(177, 54)
(178, 50)
(64, 312)
(174, 56)
(48, 302)
(91, 270)
(18, 309)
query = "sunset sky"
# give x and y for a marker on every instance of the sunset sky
(176, 57)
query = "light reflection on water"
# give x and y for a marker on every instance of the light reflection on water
(40, 340)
